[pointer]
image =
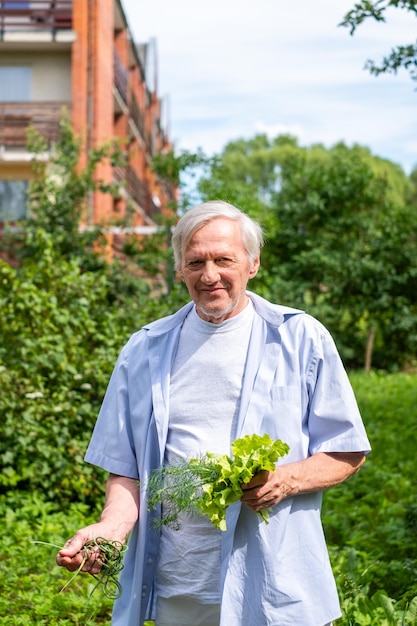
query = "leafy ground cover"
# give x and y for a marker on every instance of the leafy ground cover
(371, 521)
(370, 524)
(30, 582)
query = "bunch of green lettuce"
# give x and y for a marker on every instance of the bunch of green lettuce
(208, 485)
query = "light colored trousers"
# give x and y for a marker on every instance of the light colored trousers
(182, 611)
(186, 612)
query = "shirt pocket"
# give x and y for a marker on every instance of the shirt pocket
(283, 417)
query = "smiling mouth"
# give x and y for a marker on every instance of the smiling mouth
(212, 290)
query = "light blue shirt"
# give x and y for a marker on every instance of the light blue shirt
(295, 389)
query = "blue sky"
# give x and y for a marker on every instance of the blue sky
(233, 68)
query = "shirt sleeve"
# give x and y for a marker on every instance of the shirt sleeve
(111, 446)
(334, 421)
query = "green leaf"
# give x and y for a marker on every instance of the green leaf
(209, 485)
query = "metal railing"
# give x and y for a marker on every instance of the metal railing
(35, 15)
(140, 193)
(137, 116)
(120, 76)
(17, 117)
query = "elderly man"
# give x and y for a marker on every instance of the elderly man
(227, 364)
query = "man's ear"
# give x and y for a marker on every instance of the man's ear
(254, 267)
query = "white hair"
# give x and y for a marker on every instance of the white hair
(202, 214)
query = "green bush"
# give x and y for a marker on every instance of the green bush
(62, 330)
(371, 520)
(59, 340)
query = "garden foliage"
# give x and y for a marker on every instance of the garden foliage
(371, 521)
(370, 524)
(64, 318)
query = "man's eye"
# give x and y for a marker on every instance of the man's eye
(194, 264)
(224, 261)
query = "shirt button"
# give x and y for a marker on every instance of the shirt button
(149, 561)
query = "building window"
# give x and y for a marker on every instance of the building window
(13, 200)
(15, 84)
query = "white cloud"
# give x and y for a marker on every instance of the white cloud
(234, 67)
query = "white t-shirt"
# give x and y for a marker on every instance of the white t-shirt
(205, 392)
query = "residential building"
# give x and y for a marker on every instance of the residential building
(79, 55)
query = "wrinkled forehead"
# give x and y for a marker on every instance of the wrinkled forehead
(218, 234)
(213, 230)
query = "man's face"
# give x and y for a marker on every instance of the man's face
(216, 270)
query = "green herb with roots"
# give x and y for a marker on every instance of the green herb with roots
(209, 484)
(110, 553)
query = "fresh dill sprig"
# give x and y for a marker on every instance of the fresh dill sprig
(179, 487)
(209, 484)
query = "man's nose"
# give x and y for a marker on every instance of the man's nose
(210, 273)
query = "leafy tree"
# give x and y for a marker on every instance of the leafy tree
(413, 195)
(347, 241)
(402, 56)
(180, 169)
(340, 239)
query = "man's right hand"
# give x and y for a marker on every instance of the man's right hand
(120, 513)
(72, 555)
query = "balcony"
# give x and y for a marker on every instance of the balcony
(120, 77)
(137, 116)
(17, 117)
(137, 190)
(34, 19)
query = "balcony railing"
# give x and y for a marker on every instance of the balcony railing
(137, 116)
(120, 76)
(17, 117)
(35, 15)
(138, 191)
